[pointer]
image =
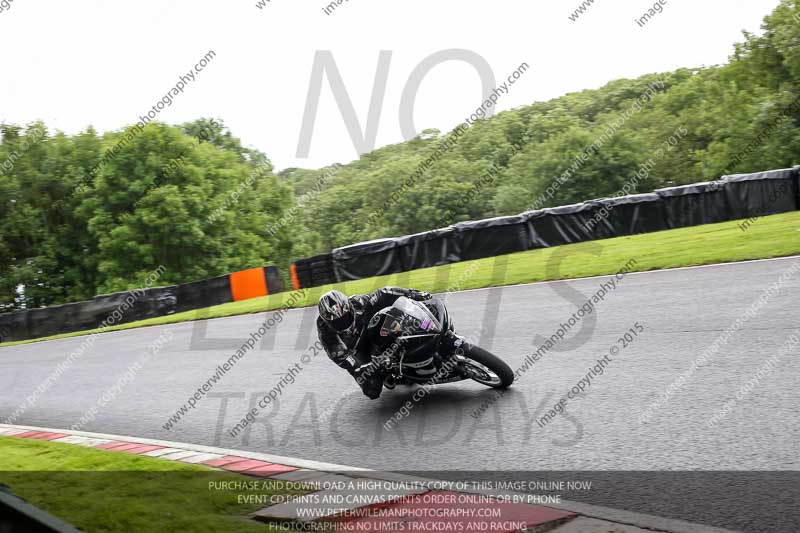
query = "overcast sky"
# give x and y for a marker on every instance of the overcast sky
(80, 63)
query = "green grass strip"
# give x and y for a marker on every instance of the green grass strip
(767, 237)
(102, 491)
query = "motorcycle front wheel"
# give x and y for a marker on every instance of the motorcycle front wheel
(487, 369)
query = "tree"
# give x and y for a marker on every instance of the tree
(205, 217)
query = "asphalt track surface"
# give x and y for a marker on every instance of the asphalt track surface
(323, 416)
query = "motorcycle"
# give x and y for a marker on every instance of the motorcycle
(416, 343)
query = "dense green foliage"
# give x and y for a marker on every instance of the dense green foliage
(192, 199)
(129, 492)
(738, 118)
(199, 206)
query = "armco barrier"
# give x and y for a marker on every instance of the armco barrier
(274, 280)
(490, 237)
(429, 248)
(732, 197)
(762, 193)
(314, 271)
(797, 186)
(248, 284)
(692, 205)
(200, 294)
(295, 279)
(555, 226)
(367, 259)
(629, 215)
(122, 307)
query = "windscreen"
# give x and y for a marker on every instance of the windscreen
(409, 318)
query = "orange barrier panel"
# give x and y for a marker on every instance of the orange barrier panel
(295, 280)
(248, 284)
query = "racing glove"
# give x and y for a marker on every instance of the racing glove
(414, 294)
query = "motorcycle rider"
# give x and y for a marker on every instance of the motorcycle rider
(341, 323)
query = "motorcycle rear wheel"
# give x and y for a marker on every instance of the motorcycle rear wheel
(487, 369)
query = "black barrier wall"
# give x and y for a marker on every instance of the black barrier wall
(315, 271)
(112, 309)
(739, 196)
(123, 307)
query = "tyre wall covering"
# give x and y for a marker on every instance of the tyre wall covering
(733, 197)
(139, 304)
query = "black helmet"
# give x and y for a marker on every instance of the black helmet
(336, 311)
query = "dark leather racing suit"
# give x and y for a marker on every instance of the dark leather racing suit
(352, 352)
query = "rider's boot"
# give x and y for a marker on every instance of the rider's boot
(369, 377)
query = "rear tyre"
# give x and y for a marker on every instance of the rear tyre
(487, 369)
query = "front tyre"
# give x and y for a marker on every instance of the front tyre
(487, 369)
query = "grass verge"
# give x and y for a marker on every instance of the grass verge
(767, 237)
(102, 491)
